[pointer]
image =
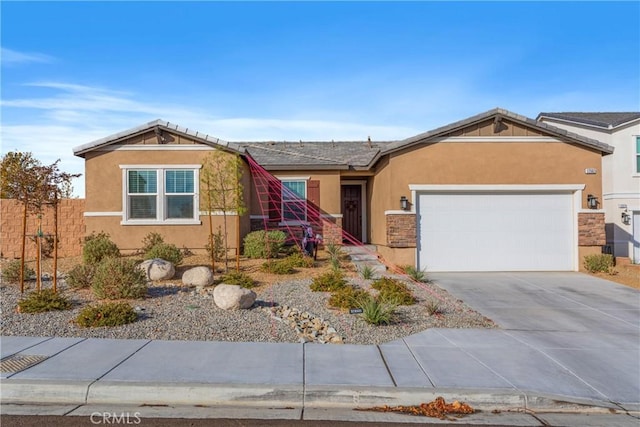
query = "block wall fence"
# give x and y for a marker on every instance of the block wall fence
(71, 228)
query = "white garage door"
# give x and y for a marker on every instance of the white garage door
(495, 231)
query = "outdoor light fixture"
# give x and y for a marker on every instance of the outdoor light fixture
(626, 218)
(592, 201)
(404, 203)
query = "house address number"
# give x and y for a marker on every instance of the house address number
(591, 171)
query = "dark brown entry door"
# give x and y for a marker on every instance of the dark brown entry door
(352, 211)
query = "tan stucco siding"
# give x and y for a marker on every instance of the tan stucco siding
(470, 163)
(505, 128)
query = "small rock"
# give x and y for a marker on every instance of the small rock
(233, 297)
(197, 276)
(157, 269)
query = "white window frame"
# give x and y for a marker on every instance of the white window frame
(161, 195)
(636, 172)
(304, 180)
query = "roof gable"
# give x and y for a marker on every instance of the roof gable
(157, 132)
(601, 120)
(497, 122)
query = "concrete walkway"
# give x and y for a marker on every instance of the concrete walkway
(567, 340)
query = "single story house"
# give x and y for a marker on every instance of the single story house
(494, 192)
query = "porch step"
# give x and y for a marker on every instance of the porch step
(365, 255)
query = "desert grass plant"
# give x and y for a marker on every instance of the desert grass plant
(264, 244)
(335, 264)
(329, 282)
(433, 307)
(367, 272)
(11, 271)
(394, 290)
(98, 247)
(150, 240)
(278, 266)
(598, 263)
(335, 251)
(166, 251)
(118, 278)
(347, 297)
(42, 301)
(106, 314)
(239, 278)
(298, 260)
(415, 274)
(81, 276)
(378, 311)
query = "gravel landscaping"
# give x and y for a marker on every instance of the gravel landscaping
(171, 311)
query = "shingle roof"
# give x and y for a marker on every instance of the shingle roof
(543, 127)
(602, 120)
(321, 154)
(161, 124)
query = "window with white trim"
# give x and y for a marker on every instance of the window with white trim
(294, 200)
(638, 154)
(156, 194)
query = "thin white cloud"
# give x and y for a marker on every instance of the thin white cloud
(13, 57)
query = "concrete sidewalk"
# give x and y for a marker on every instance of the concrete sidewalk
(520, 368)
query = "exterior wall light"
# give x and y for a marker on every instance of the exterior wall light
(592, 201)
(404, 203)
(626, 218)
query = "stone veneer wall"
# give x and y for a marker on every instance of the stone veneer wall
(401, 230)
(71, 228)
(591, 229)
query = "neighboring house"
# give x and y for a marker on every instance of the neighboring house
(494, 192)
(620, 172)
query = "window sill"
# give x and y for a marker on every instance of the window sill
(167, 222)
(284, 223)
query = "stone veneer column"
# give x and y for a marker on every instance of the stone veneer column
(401, 230)
(591, 229)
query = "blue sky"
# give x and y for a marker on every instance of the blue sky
(73, 72)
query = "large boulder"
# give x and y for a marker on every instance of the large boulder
(197, 276)
(158, 269)
(233, 297)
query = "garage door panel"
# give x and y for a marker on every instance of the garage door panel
(495, 232)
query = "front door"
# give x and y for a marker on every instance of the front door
(352, 213)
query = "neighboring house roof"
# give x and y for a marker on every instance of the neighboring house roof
(499, 113)
(154, 125)
(318, 154)
(600, 120)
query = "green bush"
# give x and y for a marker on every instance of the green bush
(218, 250)
(240, 279)
(297, 259)
(279, 266)
(166, 251)
(378, 311)
(264, 244)
(329, 282)
(98, 247)
(11, 271)
(81, 276)
(117, 278)
(367, 272)
(107, 314)
(347, 297)
(598, 262)
(150, 240)
(393, 290)
(415, 274)
(43, 300)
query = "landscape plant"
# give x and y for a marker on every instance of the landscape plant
(298, 260)
(43, 300)
(367, 272)
(217, 251)
(166, 251)
(378, 311)
(264, 244)
(393, 290)
(98, 246)
(328, 282)
(81, 276)
(11, 271)
(277, 266)
(150, 240)
(239, 278)
(118, 278)
(598, 263)
(433, 307)
(415, 274)
(106, 314)
(347, 297)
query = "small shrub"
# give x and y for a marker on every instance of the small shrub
(297, 259)
(218, 250)
(264, 244)
(598, 262)
(335, 264)
(433, 307)
(393, 290)
(150, 240)
(328, 282)
(347, 297)
(43, 300)
(415, 274)
(240, 279)
(46, 245)
(11, 271)
(280, 266)
(98, 247)
(117, 278)
(378, 311)
(81, 276)
(107, 314)
(335, 251)
(367, 272)
(166, 251)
